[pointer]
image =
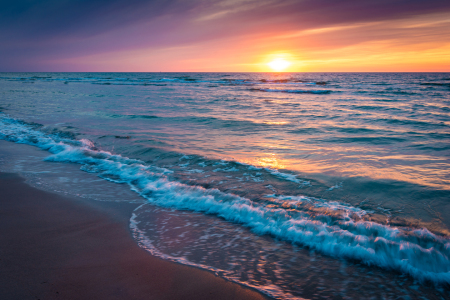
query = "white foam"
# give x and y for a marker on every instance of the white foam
(297, 201)
(185, 157)
(289, 177)
(140, 236)
(195, 171)
(336, 186)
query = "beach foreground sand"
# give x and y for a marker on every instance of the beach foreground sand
(55, 247)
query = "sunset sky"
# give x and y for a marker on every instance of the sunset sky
(225, 36)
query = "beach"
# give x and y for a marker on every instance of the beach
(55, 247)
(291, 150)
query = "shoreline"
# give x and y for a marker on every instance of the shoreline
(59, 247)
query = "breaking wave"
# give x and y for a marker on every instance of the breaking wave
(332, 228)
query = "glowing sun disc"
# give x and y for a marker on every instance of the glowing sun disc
(279, 64)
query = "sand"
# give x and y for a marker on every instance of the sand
(56, 247)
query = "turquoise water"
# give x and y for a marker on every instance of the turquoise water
(300, 185)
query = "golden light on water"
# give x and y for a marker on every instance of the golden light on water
(276, 122)
(279, 64)
(270, 160)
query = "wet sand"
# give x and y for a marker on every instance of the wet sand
(55, 247)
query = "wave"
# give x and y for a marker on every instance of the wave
(288, 177)
(374, 140)
(415, 123)
(332, 228)
(210, 121)
(115, 116)
(292, 91)
(436, 84)
(140, 236)
(155, 81)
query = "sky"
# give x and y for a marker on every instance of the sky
(225, 35)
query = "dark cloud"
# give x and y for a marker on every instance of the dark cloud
(33, 29)
(365, 10)
(317, 13)
(59, 18)
(36, 19)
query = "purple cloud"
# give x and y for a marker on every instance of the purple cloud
(37, 31)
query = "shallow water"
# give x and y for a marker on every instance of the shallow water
(300, 185)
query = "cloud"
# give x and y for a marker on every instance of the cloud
(34, 32)
(57, 18)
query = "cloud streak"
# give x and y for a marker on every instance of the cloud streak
(35, 33)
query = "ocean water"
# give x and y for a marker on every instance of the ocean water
(300, 185)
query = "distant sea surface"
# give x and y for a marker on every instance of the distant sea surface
(300, 185)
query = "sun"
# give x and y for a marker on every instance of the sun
(279, 64)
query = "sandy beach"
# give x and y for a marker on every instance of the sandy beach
(55, 247)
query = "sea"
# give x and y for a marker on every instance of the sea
(298, 185)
